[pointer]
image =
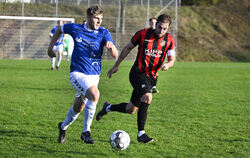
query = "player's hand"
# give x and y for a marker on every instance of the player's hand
(109, 45)
(165, 67)
(114, 69)
(51, 53)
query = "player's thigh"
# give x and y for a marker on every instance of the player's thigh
(82, 82)
(140, 81)
(142, 86)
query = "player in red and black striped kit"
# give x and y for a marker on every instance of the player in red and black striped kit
(153, 47)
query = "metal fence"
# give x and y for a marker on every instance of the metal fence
(30, 38)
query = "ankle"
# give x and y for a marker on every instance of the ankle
(140, 133)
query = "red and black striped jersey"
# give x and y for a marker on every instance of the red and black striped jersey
(151, 51)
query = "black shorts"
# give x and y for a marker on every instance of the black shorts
(141, 83)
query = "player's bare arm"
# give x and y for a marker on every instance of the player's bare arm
(112, 49)
(55, 37)
(125, 51)
(169, 63)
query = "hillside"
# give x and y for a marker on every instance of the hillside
(214, 33)
(205, 33)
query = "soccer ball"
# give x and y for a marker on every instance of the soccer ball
(119, 140)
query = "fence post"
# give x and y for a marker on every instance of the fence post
(56, 8)
(118, 23)
(89, 1)
(21, 33)
(123, 12)
(176, 24)
(147, 23)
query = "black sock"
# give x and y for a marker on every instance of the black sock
(118, 107)
(142, 116)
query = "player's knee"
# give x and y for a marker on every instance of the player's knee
(93, 94)
(131, 109)
(146, 98)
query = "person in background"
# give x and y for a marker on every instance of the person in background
(58, 47)
(152, 22)
(68, 46)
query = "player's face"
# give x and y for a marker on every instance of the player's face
(152, 24)
(161, 28)
(95, 21)
(60, 23)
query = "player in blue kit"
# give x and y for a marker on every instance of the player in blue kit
(89, 40)
(58, 47)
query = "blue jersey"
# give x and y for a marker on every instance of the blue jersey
(88, 47)
(60, 40)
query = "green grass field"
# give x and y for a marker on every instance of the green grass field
(202, 110)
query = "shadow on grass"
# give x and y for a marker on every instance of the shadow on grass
(65, 153)
(19, 133)
(9, 68)
(31, 147)
(234, 140)
(37, 88)
(12, 133)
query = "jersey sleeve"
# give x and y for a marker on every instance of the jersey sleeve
(136, 38)
(173, 44)
(67, 28)
(107, 37)
(171, 49)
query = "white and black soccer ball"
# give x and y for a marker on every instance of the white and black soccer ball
(119, 140)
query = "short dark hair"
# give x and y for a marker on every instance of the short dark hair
(151, 19)
(94, 10)
(164, 18)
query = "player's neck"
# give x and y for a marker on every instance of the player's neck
(157, 36)
(89, 28)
